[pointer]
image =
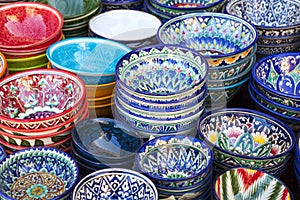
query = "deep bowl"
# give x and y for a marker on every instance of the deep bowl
(38, 173)
(93, 59)
(28, 24)
(40, 98)
(127, 184)
(223, 39)
(246, 138)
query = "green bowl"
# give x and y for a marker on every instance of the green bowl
(28, 62)
(15, 70)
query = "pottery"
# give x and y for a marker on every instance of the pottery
(16, 70)
(109, 5)
(100, 101)
(22, 63)
(127, 184)
(277, 49)
(3, 66)
(2, 153)
(273, 40)
(160, 14)
(98, 91)
(223, 39)
(38, 172)
(104, 110)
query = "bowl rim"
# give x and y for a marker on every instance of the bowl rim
(198, 8)
(4, 68)
(251, 28)
(254, 113)
(27, 58)
(264, 60)
(19, 69)
(51, 9)
(53, 151)
(168, 138)
(3, 153)
(77, 40)
(109, 171)
(92, 12)
(110, 84)
(55, 72)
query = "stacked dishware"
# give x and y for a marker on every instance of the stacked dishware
(102, 143)
(39, 109)
(228, 44)
(245, 183)
(274, 87)
(167, 9)
(179, 166)
(135, 29)
(297, 161)
(76, 14)
(122, 4)
(25, 38)
(247, 138)
(94, 61)
(277, 23)
(38, 173)
(161, 90)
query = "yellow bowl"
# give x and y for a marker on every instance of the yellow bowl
(100, 101)
(101, 111)
(98, 91)
(24, 63)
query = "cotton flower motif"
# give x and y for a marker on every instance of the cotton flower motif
(43, 83)
(259, 138)
(233, 131)
(285, 65)
(212, 136)
(53, 101)
(30, 102)
(12, 112)
(13, 89)
(37, 191)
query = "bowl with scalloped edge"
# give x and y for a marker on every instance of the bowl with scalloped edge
(44, 173)
(246, 138)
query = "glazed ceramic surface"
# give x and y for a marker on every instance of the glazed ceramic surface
(93, 59)
(40, 98)
(246, 138)
(243, 183)
(26, 24)
(37, 174)
(3, 65)
(115, 183)
(174, 161)
(222, 38)
(2, 153)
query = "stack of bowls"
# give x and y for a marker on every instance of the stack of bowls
(275, 86)
(167, 9)
(277, 23)
(228, 44)
(38, 173)
(76, 14)
(122, 4)
(161, 90)
(247, 138)
(179, 166)
(102, 143)
(133, 28)
(25, 37)
(297, 161)
(39, 108)
(94, 61)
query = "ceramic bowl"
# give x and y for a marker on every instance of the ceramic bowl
(21, 63)
(38, 173)
(278, 76)
(3, 66)
(92, 59)
(244, 183)
(271, 18)
(23, 30)
(98, 91)
(100, 101)
(127, 184)
(104, 110)
(148, 7)
(109, 5)
(16, 70)
(163, 73)
(40, 98)
(133, 28)
(2, 153)
(223, 39)
(277, 49)
(174, 161)
(246, 138)
(273, 40)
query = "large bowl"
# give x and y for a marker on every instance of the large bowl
(222, 38)
(247, 138)
(40, 98)
(93, 59)
(42, 173)
(126, 184)
(27, 24)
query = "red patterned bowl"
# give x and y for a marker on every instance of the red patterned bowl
(28, 24)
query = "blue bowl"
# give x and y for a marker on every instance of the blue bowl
(38, 173)
(2, 153)
(92, 59)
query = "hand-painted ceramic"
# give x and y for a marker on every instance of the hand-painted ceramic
(27, 24)
(101, 90)
(2, 153)
(247, 138)
(148, 7)
(273, 40)
(38, 173)
(222, 38)
(175, 161)
(115, 183)
(40, 98)
(3, 66)
(93, 59)
(27, 62)
(109, 5)
(278, 48)
(244, 183)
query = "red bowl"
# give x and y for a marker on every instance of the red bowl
(28, 24)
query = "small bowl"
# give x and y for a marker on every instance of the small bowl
(244, 183)
(127, 184)
(98, 91)
(175, 161)
(92, 59)
(2, 153)
(133, 28)
(246, 138)
(28, 24)
(38, 173)
(3, 66)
